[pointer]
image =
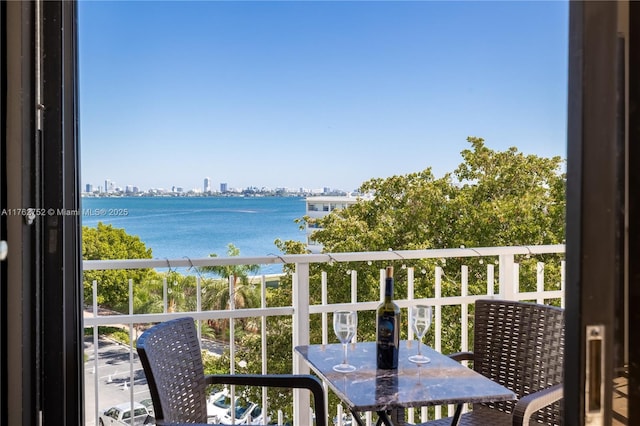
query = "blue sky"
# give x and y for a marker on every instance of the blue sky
(314, 93)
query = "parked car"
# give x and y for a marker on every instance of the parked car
(121, 415)
(217, 405)
(219, 410)
(346, 420)
(246, 413)
(147, 402)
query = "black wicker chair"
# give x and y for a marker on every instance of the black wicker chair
(521, 346)
(172, 362)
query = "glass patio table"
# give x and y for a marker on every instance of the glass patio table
(442, 381)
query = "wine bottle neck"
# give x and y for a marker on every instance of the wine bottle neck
(388, 290)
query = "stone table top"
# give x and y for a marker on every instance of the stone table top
(442, 381)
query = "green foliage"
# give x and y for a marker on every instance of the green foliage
(507, 198)
(492, 199)
(103, 330)
(106, 242)
(291, 246)
(240, 272)
(218, 296)
(402, 215)
(243, 295)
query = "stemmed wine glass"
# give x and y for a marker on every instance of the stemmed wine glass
(420, 321)
(344, 325)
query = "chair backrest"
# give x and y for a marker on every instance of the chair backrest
(521, 346)
(172, 362)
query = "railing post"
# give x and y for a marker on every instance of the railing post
(540, 282)
(491, 280)
(505, 277)
(562, 281)
(301, 413)
(325, 316)
(464, 309)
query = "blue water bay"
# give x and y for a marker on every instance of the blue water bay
(195, 227)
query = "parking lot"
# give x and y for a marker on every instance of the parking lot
(112, 377)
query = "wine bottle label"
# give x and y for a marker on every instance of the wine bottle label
(386, 327)
(387, 341)
(388, 332)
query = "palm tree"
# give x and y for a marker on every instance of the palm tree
(216, 295)
(180, 289)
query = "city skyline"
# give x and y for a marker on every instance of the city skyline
(314, 94)
(111, 186)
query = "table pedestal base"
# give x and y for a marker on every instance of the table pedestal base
(397, 418)
(386, 418)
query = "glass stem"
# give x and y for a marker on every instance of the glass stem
(344, 358)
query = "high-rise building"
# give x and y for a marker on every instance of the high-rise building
(88, 188)
(223, 188)
(109, 185)
(207, 185)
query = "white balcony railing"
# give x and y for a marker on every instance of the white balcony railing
(497, 267)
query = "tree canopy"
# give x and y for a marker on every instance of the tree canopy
(492, 199)
(106, 242)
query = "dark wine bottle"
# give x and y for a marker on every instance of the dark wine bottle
(388, 327)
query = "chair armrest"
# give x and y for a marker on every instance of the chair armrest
(461, 356)
(298, 381)
(527, 405)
